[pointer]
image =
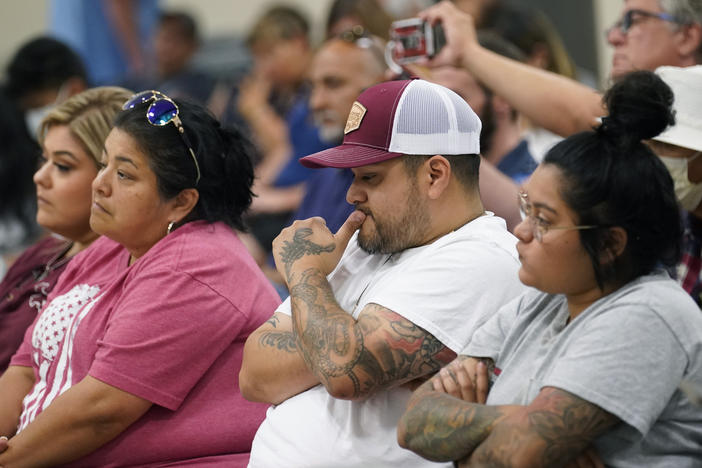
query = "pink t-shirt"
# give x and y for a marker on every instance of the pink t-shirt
(170, 329)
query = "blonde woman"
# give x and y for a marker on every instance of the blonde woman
(72, 137)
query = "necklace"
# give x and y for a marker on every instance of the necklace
(56, 261)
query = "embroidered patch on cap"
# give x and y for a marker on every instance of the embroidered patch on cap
(358, 110)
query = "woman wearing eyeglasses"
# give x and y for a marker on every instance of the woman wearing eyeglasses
(588, 364)
(72, 136)
(134, 359)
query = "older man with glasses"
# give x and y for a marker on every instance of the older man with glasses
(652, 33)
(648, 34)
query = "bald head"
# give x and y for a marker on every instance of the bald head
(340, 71)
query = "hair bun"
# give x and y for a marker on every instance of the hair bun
(640, 107)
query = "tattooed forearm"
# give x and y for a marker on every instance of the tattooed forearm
(440, 427)
(380, 350)
(327, 337)
(283, 341)
(299, 247)
(556, 428)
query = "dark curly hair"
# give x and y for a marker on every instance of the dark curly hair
(613, 179)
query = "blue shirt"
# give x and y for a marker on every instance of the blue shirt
(84, 25)
(304, 139)
(518, 164)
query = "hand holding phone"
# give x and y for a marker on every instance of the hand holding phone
(413, 39)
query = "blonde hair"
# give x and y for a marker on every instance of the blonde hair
(89, 116)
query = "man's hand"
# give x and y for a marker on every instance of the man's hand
(3, 444)
(309, 244)
(464, 378)
(254, 91)
(459, 29)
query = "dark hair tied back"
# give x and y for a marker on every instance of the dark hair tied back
(224, 156)
(611, 179)
(640, 107)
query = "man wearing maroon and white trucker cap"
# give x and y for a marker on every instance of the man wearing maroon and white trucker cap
(403, 117)
(387, 299)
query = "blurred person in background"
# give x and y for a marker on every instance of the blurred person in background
(18, 161)
(653, 33)
(175, 41)
(401, 9)
(501, 141)
(109, 35)
(479, 10)
(273, 101)
(72, 137)
(649, 34)
(679, 147)
(344, 15)
(533, 33)
(41, 74)
(341, 69)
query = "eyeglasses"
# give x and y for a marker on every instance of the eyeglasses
(540, 227)
(629, 19)
(163, 111)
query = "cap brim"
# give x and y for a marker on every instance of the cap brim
(682, 135)
(347, 156)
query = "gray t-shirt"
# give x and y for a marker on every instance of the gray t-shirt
(627, 353)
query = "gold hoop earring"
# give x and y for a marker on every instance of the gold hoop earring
(170, 227)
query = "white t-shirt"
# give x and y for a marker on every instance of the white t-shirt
(449, 288)
(627, 353)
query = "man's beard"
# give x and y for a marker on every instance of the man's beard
(397, 233)
(328, 133)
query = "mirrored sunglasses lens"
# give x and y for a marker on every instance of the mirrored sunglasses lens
(161, 112)
(138, 99)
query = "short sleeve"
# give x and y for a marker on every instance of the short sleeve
(450, 292)
(163, 335)
(626, 361)
(23, 355)
(488, 339)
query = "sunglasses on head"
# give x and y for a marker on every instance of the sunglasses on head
(163, 111)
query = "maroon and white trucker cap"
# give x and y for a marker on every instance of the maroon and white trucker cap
(403, 117)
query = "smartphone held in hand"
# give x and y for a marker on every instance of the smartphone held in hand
(413, 39)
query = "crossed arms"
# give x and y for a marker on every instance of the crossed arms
(553, 430)
(322, 343)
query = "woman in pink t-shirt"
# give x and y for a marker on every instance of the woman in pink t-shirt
(134, 360)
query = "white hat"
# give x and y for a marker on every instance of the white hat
(686, 83)
(395, 118)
